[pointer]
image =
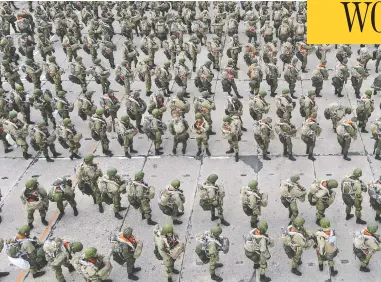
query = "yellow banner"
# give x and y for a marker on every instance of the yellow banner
(343, 22)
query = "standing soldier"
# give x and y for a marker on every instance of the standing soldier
(93, 266)
(179, 29)
(346, 131)
(144, 73)
(302, 53)
(69, 138)
(130, 54)
(54, 73)
(340, 77)
(322, 196)
(70, 45)
(365, 107)
(204, 106)
(34, 197)
(364, 56)
(22, 102)
(11, 73)
(343, 52)
(149, 47)
(44, 140)
(58, 253)
(43, 102)
(267, 31)
(45, 46)
(215, 49)
(18, 132)
(291, 191)
(33, 72)
(326, 249)
(101, 75)
(211, 198)
(285, 130)
(375, 128)
(285, 105)
(218, 26)
(4, 112)
(111, 186)
(126, 132)
(171, 201)
(272, 75)
(234, 108)
(182, 74)
(80, 72)
(157, 102)
(178, 127)
(87, 175)
(154, 128)
(234, 50)
(136, 108)
(336, 112)
(202, 129)
(258, 105)
(255, 74)
(352, 188)
(192, 49)
(252, 201)
(171, 49)
(128, 249)
(204, 78)
(307, 104)
(161, 30)
(318, 76)
(232, 132)
(365, 244)
(62, 190)
(263, 133)
(310, 131)
(269, 52)
(111, 105)
(124, 76)
(178, 105)
(163, 78)
(62, 105)
(256, 249)
(91, 45)
(251, 51)
(209, 244)
(108, 48)
(140, 195)
(228, 82)
(250, 29)
(85, 105)
(295, 240)
(358, 74)
(374, 191)
(291, 76)
(99, 128)
(286, 53)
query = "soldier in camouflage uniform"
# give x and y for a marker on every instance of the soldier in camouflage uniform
(111, 105)
(340, 77)
(228, 76)
(102, 75)
(375, 128)
(291, 191)
(234, 107)
(308, 104)
(157, 102)
(231, 130)
(4, 112)
(21, 103)
(145, 74)
(172, 201)
(44, 140)
(182, 74)
(45, 46)
(136, 108)
(358, 74)
(285, 105)
(352, 188)
(86, 107)
(291, 75)
(33, 72)
(255, 74)
(156, 131)
(263, 133)
(80, 72)
(272, 75)
(54, 73)
(365, 107)
(234, 50)
(43, 102)
(34, 197)
(310, 131)
(267, 31)
(60, 191)
(215, 51)
(204, 106)
(171, 49)
(364, 56)
(256, 249)
(71, 138)
(70, 45)
(178, 127)
(336, 112)
(204, 78)
(11, 74)
(318, 76)
(124, 76)
(201, 128)
(130, 54)
(62, 105)
(192, 49)
(258, 105)
(346, 131)
(99, 129)
(285, 130)
(374, 191)
(126, 132)
(287, 51)
(163, 78)
(303, 50)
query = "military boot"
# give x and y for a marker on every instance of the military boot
(100, 208)
(26, 155)
(377, 157)
(48, 159)
(264, 278)
(158, 153)
(236, 157)
(199, 152)
(71, 268)
(296, 271)
(332, 271)
(224, 222)
(207, 152)
(3, 274)
(30, 224)
(75, 155)
(132, 150)
(136, 269)
(118, 216)
(311, 157)
(132, 277)
(177, 222)
(321, 268)
(127, 154)
(230, 151)
(345, 157)
(215, 277)
(364, 269)
(265, 157)
(184, 148)
(44, 222)
(243, 128)
(75, 211)
(62, 213)
(210, 132)
(291, 157)
(38, 274)
(360, 221)
(174, 151)
(213, 215)
(363, 130)
(349, 216)
(151, 222)
(54, 152)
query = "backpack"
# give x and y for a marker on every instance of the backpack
(301, 108)
(300, 29)
(232, 24)
(311, 194)
(131, 195)
(178, 126)
(283, 30)
(72, 68)
(108, 186)
(147, 124)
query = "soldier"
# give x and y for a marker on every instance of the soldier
(272, 75)
(228, 82)
(375, 128)
(172, 201)
(250, 28)
(130, 54)
(318, 76)
(234, 108)
(336, 112)
(209, 244)
(256, 248)
(285, 130)
(27, 250)
(33, 72)
(54, 74)
(108, 48)
(171, 49)
(346, 131)
(352, 187)
(18, 132)
(291, 75)
(340, 77)
(25, 23)
(87, 174)
(374, 191)
(70, 138)
(182, 74)
(43, 102)
(310, 131)
(192, 49)
(161, 30)
(86, 107)
(62, 105)
(232, 132)
(70, 45)
(343, 52)
(4, 112)
(326, 249)
(295, 240)
(91, 44)
(286, 53)
(364, 56)
(284, 31)
(204, 78)
(11, 74)
(144, 73)
(365, 244)
(80, 73)
(154, 128)
(34, 197)
(255, 74)
(211, 198)
(126, 132)
(269, 51)
(284, 105)
(263, 133)
(234, 50)
(166, 242)
(307, 104)
(358, 74)
(291, 191)
(111, 186)
(178, 127)
(58, 253)
(157, 102)
(303, 52)
(215, 51)
(202, 130)
(111, 105)
(149, 47)
(44, 140)
(365, 107)
(218, 25)
(124, 76)
(93, 266)
(99, 128)
(322, 196)
(136, 108)
(204, 106)
(22, 102)
(178, 105)
(267, 31)
(179, 29)
(45, 46)
(258, 105)
(60, 191)
(253, 201)
(128, 249)
(102, 75)
(163, 78)
(140, 195)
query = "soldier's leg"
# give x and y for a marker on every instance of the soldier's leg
(175, 143)
(148, 85)
(289, 148)
(116, 201)
(157, 142)
(206, 145)
(320, 260)
(130, 263)
(44, 150)
(60, 206)
(145, 210)
(30, 215)
(304, 64)
(71, 200)
(254, 220)
(320, 210)
(43, 215)
(294, 210)
(199, 144)
(184, 141)
(168, 266)
(358, 209)
(52, 148)
(263, 265)
(297, 258)
(348, 210)
(334, 123)
(58, 271)
(234, 86)
(347, 144)
(194, 63)
(127, 86)
(231, 150)
(235, 147)
(138, 120)
(126, 146)
(292, 86)
(366, 261)
(104, 142)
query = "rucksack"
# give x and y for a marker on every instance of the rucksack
(283, 30)
(147, 124)
(301, 108)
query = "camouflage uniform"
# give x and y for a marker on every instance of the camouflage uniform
(201, 128)
(346, 131)
(291, 191)
(60, 191)
(365, 107)
(136, 108)
(126, 132)
(70, 138)
(253, 201)
(171, 201)
(263, 133)
(178, 127)
(310, 131)
(99, 129)
(231, 130)
(44, 140)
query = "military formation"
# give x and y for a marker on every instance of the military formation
(280, 26)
